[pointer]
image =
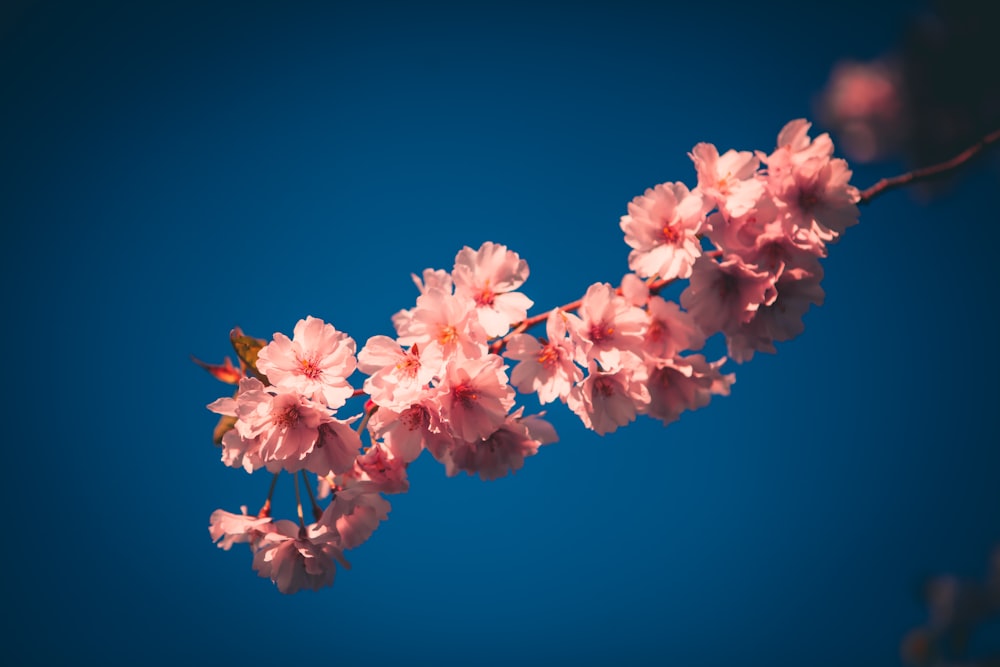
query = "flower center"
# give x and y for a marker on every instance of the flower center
(605, 386)
(657, 330)
(414, 417)
(485, 298)
(465, 395)
(549, 356)
(447, 334)
(309, 368)
(601, 332)
(807, 200)
(670, 235)
(409, 366)
(287, 418)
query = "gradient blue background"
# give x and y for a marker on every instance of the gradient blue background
(170, 170)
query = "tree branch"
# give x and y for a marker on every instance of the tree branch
(927, 173)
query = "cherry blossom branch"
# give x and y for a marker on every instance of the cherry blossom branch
(445, 395)
(928, 173)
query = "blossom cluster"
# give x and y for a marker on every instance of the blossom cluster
(444, 382)
(770, 218)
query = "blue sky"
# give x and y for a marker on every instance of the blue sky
(172, 170)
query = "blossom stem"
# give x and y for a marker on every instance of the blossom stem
(927, 173)
(265, 509)
(316, 509)
(367, 416)
(298, 502)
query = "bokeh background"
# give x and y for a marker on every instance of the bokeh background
(171, 170)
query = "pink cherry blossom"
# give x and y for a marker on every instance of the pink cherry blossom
(662, 227)
(795, 148)
(797, 289)
(397, 376)
(240, 452)
(723, 295)
(474, 396)
(354, 514)
(502, 452)
(729, 180)
(446, 321)
(607, 328)
(296, 559)
(684, 383)
(315, 363)
(606, 400)
(670, 330)
(285, 431)
(336, 448)
(819, 197)
(227, 528)
(406, 431)
(378, 470)
(735, 235)
(770, 247)
(490, 276)
(546, 366)
(810, 184)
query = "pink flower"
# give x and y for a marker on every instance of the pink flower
(606, 400)
(406, 431)
(378, 470)
(795, 148)
(608, 327)
(447, 321)
(354, 514)
(721, 296)
(240, 452)
(490, 276)
(736, 235)
(227, 528)
(662, 227)
(474, 396)
(502, 452)
(670, 330)
(819, 197)
(336, 448)
(295, 558)
(397, 376)
(684, 383)
(779, 321)
(730, 179)
(287, 425)
(315, 363)
(546, 365)
(864, 105)
(813, 187)
(285, 431)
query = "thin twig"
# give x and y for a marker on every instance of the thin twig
(927, 173)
